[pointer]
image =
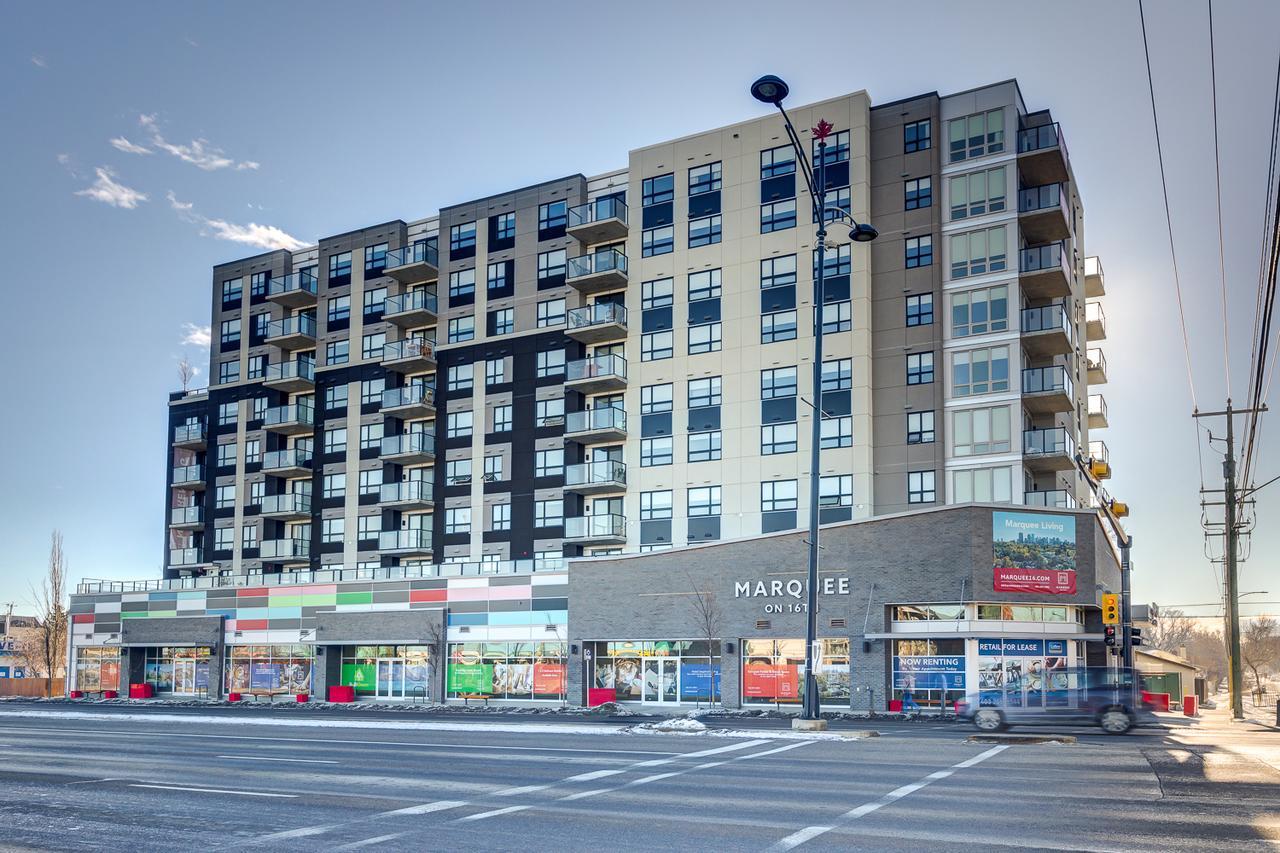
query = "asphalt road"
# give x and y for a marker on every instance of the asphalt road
(157, 781)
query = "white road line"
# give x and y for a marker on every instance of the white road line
(527, 789)
(494, 813)
(795, 839)
(217, 791)
(426, 808)
(368, 842)
(300, 832)
(266, 758)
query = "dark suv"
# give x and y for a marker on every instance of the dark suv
(1102, 696)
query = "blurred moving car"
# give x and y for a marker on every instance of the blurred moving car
(1102, 696)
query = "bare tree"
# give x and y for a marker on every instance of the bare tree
(50, 636)
(438, 633)
(1259, 644)
(1172, 631)
(186, 372)
(706, 612)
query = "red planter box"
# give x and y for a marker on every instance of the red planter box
(895, 706)
(302, 697)
(141, 691)
(110, 694)
(341, 693)
(77, 694)
(1189, 705)
(234, 697)
(600, 695)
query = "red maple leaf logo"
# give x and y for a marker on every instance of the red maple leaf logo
(823, 130)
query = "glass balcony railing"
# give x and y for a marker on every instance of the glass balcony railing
(598, 211)
(1097, 406)
(1093, 313)
(184, 557)
(285, 549)
(186, 515)
(1040, 138)
(294, 502)
(419, 253)
(304, 370)
(595, 527)
(301, 282)
(293, 413)
(1098, 450)
(1046, 318)
(409, 395)
(1043, 259)
(1047, 197)
(409, 348)
(595, 420)
(414, 300)
(596, 262)
(596, 367)
(1054, 378)
(294, 457)
(404, 540)
(416, 443)
(188, 433)
(1056, 498)
(188, 474)
(598, 314)
(605, 472)
(1094, 359)
(298, 324)
(1055, 441)
(418, 491)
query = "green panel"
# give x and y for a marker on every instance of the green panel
(355, 598)
(317, 598)
(163, 613)
(470, 678)
(285, 601)
(134, 614)
(361, 676)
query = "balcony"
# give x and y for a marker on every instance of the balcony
(593, 478)
(189, 436)
(1044, 272)
(296, 332)
(412, 401)
(291, 376)
(1042, 155)
(597, 272)
(1046, 331)
(1043, 216)
(294, 419)
(1095, 283)
(1099, 460)
(406, 543)
(186, 517)
(1098, 412)
(294, 462)
(1047, 390)
(1053, 499)
(593, 324)
(1095, 321)
(408, 494)
(186, 557)
(410, 448)
(188, 477)
(596, 375)
(285, 551)
(413, 264)
(410, 310)
(1096, 363)
(292, 506)
(1048, 449)
(412, 355)
(601, 221)
(607, 423)
(596, 530)
(297, 290)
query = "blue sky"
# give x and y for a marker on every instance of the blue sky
(278, 120)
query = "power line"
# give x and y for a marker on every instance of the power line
(1217, 169)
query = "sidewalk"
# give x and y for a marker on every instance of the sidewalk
(1263, 716)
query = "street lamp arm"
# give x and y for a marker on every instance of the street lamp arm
(802, 159)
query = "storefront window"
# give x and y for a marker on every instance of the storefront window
(1022, 673)
(388, 672)
(269, 669)
(928, 672)
(657, 670)
(97, 668)
(773, 671)
(928, 612)
(506, 670)
(178, 669)
(1023, 612)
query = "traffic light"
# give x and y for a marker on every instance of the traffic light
(1135, 636)
(1109, 635)
(1110, 608)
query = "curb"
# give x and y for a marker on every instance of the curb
(1012, 739)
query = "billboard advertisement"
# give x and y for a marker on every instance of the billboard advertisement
(1034, 552)
(771, 681)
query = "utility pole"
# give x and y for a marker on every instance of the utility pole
(1126, 611)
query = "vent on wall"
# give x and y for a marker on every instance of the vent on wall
(762, 624)
(837, 623)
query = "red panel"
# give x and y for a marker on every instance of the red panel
(251, 624)
(256, 590)
(428, 595)
(82, 618)
(600, 695)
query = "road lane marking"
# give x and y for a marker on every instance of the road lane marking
(494, 813)
(809, 833)
(267, 758)
(367, 842)
(527, 789)
(217, 791)
(425, 808)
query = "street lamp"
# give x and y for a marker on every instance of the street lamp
(772, 90)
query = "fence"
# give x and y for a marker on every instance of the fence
(30, 687)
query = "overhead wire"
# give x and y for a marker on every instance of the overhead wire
(1217, 169)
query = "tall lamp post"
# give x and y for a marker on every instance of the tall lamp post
(772, 90)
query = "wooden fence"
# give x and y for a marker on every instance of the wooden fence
(29, 687)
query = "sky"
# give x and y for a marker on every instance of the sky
(144, 143)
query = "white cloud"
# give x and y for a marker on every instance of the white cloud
(253, 234)
(195, 336)
(107, 190)
(192, 41)
(121, 144)
(64, 159)
(198, 152)
(39, 62)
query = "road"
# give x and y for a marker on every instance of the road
(107, 779)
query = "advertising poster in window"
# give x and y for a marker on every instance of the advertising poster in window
(697, 680)
(928, 672)
(767, 680)
(1034, 552)
(110, 675)
(361, 676)
(264, 676)
(1022, 673)
(511, 678)
(239, 676)
(548, 678)
(295, 677)
(470, 678)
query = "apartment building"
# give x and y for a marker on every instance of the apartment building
(622, 363)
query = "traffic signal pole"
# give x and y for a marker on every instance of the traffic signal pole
(1126, 612)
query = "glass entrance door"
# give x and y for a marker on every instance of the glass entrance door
(390, 679)
(184, 676)
(661, 680)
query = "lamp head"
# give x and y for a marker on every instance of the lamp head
(769, 89)
(864, 232)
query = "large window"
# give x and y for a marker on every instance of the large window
(551, 265)
(916, 136)
(778, 495)
(370, 436)
(777, 438)
(979, 252)
(550, 363)
(655, 506)
(919, 368)
(548, 463)
(655, 451)
(777, 382)
(777, 161)
(920, 428)
(835, 491)
(657, 670)
(337, 352)
(778, 271)
(704, 338)
(778, 216)
(704, 231)
(919, 251)
(978, 431)
(657, 241)
(921, 487)
(457, 519)
(340, 265)
(656, 346)
(658, 293)
(658, 189)
(375, 259)
(778, 326)
(773, 671)
(920, 310)
(704, 392)
(977, 312)
(333, 530)
(509, 670)
(462, 284)
(655, 399)
(551, 313)
(978, 193)
(976, 135)
(984, 485)
(275, 669)
(339, 309)
(462, 329)
(462, 236)
(980, 371)
(548, 513)
(553, 215)
(232, 289)
(458, 424)
(500, 517)
(704, 179)
(918, 193)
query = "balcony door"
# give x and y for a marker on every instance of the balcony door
(606, 506)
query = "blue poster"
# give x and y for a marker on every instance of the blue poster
(929, 663)
(928, 680)
(696, 679)
(202, 674)
(1015, 648)
(264, 676)
(1055, 648)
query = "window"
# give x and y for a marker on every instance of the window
(655, 399)
(549, 412)
(657, 241)
(501, 418)
(340, 265)
(980, 371)
(259, 408)
(462, 328)
(838, 197)
(837, 260)
(779, 271)
(704, 231)
(655, 451)
(778, 382)
(257, 491)
(335, 485)
(778, 326)
(339, 309)
(333, 530)
(916, 136)
(224, 497)
(977, 312)
(550, 313)
(920, 310)
(458, 471)
(232, 291)
(704, 179)
(548, 463)
(777, 438)
(655, 506)
(920, 487)
(704, 446)
(777, 161)
(985, 485)
(704, 285)
(462, 236)
(462, 284)
(920, 428)
(337, 352)
(460, 377)
(226, 455)
(837, 150)
(492, 469)
(777, 495)
(918, 193)
(228, 371)
(495, 371)
(252, 451)
(502, 321)
(458, 424)
(457, 519)
(978, 252)
(371, 391)
(836, 432)
(978, 193)
(368, 527)
(496, 276)
(548, 513)
(550, 363)
(335, 397)
(335, 440)
(656, 346)
(837, 375)
(919, 368)
(371, 345)
(837, 316)
(777, 216)
(370, 436)
(703, 501)
(551, 264)
(261, 323)
(976, 135)
(229, 332)
(658, 293)
(658, 189)
(500, 517)
(375, 259)
(505, 226)
(703, 338)
(249, 536)
(370, 481)
(257, 366)
(227, 413)
(835, 490)
(224, 538)
(978, 431)
(704, 392)
(553, 215)
(919, 251)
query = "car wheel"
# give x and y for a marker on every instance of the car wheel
(1115, 721)
(988, 720)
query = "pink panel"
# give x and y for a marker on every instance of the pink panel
(469, 593)
(509, 593)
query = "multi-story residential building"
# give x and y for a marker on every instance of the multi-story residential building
(621, 363)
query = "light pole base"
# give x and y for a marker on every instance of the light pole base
(801, 725)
